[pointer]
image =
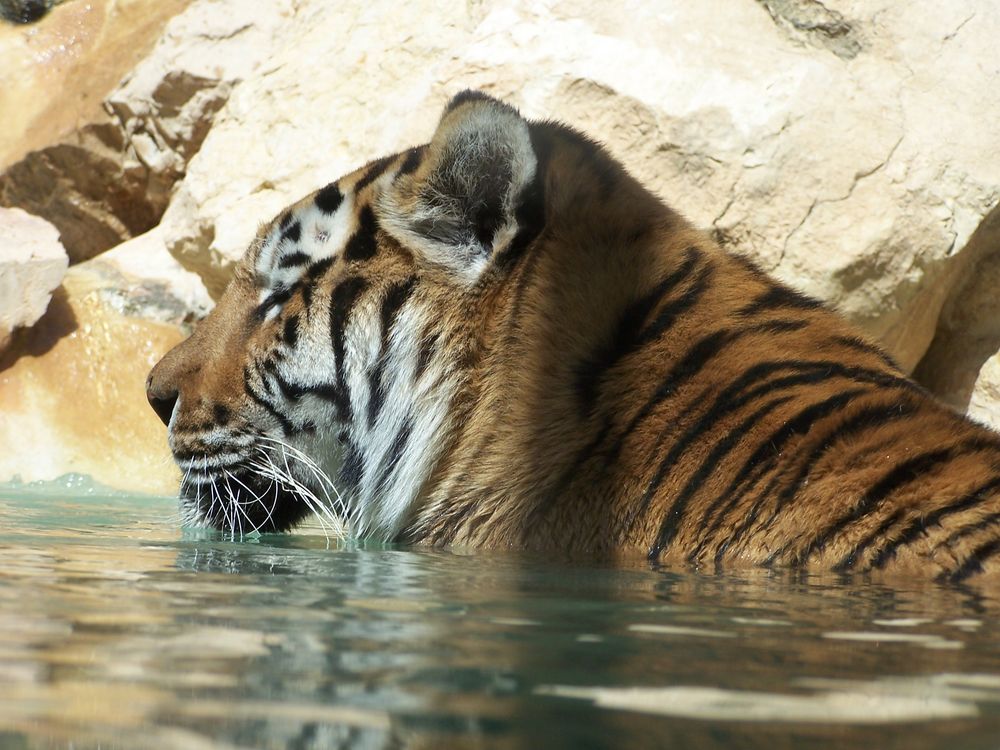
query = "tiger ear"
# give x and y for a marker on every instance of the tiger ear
(459, 205)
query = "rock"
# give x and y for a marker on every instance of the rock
(83, 48)
(72, 388)
(83, 186)
(300, 121)
(144, 280)
(968, 329)
(32, 265)
(110, 180)
(984, 404)
(810, 136)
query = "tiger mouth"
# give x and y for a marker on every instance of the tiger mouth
(262, 485)
(242, 500)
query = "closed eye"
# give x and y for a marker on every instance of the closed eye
(271, 305)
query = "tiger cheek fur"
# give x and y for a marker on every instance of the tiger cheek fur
(501, 339)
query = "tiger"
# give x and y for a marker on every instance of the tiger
(501, 339)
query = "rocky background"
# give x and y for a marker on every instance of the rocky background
(850, 146)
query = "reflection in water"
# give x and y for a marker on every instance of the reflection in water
(116, 628)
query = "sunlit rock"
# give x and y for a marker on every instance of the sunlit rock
(828, 144)
(110, 179)
(32, 264)
(72, 387)
(984, 405)
(968, 329)
(56, 71)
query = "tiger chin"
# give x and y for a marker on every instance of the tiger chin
(502, 339)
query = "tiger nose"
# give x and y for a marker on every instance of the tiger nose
(163, 399)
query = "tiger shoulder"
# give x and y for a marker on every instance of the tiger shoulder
(502, 339)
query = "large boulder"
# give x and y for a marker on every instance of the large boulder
(822, 139)
(32, 265)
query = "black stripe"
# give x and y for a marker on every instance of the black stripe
(778, 326)
(690, 365)
(412, 160)
(319, 268)
(375, 170)
(428, 343)
(814, 372)
(290, 334)
(392, 303)
(920, 525)
(672, 310)
(343, 298)
(849, 560)
(857, 343)
(868, 418)
(286, 425)
(286, 220)
(291, 391)
(627, 333)
(396, 451)
(780, 297)
(973, 563)
(335, 394)
(290, 260)
(900, 475)
(311, 276)
(326, 391)
(352, 470)
(671, 522)
(764, 457)
(293, 232)
(329, 198)
(262, 377)
(730, 400)
(361, 245)
(980, 524)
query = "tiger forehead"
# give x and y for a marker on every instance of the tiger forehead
(335, 219)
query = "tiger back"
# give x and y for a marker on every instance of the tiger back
(501, 339)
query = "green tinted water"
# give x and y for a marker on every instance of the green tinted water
(117, 630)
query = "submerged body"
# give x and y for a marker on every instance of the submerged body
(501, 339)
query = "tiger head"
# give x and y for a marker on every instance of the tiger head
(331, 375)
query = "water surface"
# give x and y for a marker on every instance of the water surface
(119, 630)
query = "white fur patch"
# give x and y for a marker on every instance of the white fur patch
(321, 236)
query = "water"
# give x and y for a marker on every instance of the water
(118, 630)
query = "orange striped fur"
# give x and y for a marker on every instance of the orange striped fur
(501, 339)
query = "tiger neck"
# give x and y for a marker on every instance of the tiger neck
(547, 341)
